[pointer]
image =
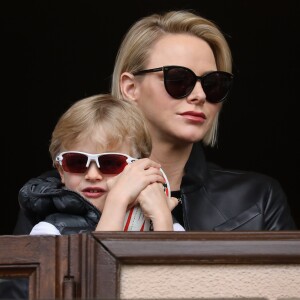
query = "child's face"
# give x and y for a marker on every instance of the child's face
(92, 184)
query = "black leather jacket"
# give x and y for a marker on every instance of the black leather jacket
(213, 199)
(225, 200)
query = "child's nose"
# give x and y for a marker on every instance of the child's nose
(93, 172)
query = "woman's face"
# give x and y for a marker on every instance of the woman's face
(177, 120)
(92, 185)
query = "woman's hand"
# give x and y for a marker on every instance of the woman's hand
(157, 206)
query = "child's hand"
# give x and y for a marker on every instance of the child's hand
(134, 179)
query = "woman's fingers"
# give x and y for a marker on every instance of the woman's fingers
(172, 202)
(145, 163)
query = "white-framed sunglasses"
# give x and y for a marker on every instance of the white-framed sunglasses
(79, 162)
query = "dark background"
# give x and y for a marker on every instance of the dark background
(57, 52)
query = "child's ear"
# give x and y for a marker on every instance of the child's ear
(129, 87)
(61, 173)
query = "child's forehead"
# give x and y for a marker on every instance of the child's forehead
(98, 142)
(97, 137)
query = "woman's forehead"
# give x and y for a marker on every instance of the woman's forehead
(180, 49)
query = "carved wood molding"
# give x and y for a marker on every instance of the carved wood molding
(116, 249)
(88, 265)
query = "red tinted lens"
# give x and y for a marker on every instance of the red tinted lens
(112, 163)
(179, 82)
(216, 86)
(74, 162)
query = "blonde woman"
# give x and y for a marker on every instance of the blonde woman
(176, 67)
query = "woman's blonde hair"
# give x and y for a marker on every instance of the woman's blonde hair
(137, 43)
(91, 117)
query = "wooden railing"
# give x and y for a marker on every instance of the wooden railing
(94, 265)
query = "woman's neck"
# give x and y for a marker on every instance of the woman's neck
(172, 159)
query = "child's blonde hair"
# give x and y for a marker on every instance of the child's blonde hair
(88, 118)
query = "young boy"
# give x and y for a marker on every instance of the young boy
(100, 147)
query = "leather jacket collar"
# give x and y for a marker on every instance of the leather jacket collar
(195, 170)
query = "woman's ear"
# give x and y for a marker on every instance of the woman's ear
(128, 86)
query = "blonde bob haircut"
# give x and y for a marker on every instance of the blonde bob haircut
(104, 120)
(136, 45)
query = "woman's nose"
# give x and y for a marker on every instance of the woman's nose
(197, 94)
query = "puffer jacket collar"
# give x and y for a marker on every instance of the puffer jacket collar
(43, 196)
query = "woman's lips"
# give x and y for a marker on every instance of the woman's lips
(194, 116)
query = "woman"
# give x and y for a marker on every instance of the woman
(176, 67)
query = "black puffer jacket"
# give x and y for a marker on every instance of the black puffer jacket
(45, 199)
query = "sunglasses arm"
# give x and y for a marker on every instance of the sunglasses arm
(130, 160)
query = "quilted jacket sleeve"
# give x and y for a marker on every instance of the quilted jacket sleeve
(45, 199)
